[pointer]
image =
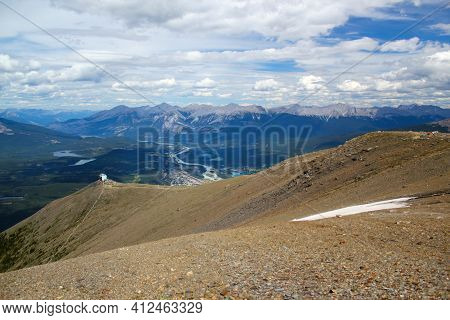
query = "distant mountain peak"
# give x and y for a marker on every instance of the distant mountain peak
(165, 116)
(120, 107)
(164, 105)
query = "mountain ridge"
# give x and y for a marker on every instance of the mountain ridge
(124, 121)
(369, 168)
(42, 117)
(146, 242)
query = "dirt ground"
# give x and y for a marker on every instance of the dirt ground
(394, 254)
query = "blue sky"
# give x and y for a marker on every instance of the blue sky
(250, 52)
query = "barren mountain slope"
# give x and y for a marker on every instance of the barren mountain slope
(397, 254)
(373, 167)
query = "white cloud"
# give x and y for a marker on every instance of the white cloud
(311, 82)
(7, 64)
(265, 85)
(149, 44)
(21, 66)
(34, 78)
(384, 85)
(77, 72)
(200, 93)
(40, 89)
(429, 71)
(351, 85)
(406, 45)
(365, 43)
(34, 65)
(164, 83)
(193, 56)
(206, 83)
(443, 27)
(280, 19)
(440, 59)
(154, 84)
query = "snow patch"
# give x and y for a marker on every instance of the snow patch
(375, 206)
(82, 162)
(5, 130)
(65, 153)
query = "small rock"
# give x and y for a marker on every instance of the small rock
(224, 292)
(189, 273)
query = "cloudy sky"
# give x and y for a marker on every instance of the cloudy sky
(256, 51)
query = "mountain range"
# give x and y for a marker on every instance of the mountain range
(32, 175)
(42, 117)
(338, 119)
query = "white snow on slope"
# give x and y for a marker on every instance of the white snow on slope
(375, 206)
(82, 162)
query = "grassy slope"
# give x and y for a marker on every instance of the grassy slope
(376, 166)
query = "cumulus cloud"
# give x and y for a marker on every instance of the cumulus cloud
(77, 72)
(164, 83)
(265, 85)
(202, 93)
(384, 85)
(33, 65)
(154, 84)
(439, 59)
(42, 89)
(444, 28)
(311, 82)
(206, 83)
(429, 71)
(204, 88)
(351, 85)
(279, 19)
(405, 45)
(262, 51)
(8, 64)
(365, 43)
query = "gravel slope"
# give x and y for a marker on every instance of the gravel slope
(395, 254)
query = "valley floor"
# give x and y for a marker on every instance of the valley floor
(392, 254)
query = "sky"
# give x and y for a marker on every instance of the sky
(271, 53)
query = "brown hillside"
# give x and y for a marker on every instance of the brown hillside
(373, 167)
(394, 254)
